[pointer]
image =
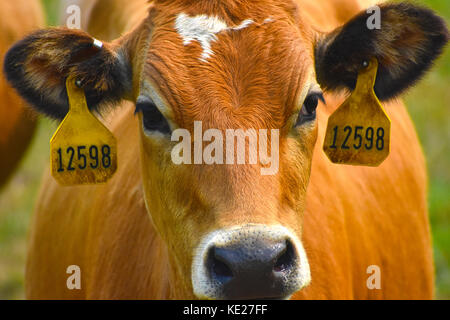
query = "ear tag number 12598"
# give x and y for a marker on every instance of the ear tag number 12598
(83, 150)
(358, 132)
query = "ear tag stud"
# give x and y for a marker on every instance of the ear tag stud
(358, 132)
(82, 150)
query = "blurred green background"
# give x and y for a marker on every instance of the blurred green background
(428, 104)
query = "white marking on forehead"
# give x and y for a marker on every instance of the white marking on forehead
(204, 29)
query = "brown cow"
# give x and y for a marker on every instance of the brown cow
(17, 123)
(105, 19)
(162, 230)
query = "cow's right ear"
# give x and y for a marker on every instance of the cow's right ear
(38, 66)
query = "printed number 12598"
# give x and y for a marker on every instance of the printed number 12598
(368, 138)
(82, 157)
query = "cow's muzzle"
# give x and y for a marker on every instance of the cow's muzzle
(249, 262)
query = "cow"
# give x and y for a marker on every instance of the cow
(109, 24)
(161, 230)
(17, 123)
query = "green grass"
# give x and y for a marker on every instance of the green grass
(428, 104)
(51, 8)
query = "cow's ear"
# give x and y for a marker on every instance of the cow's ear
(410, 38)
(39, 65)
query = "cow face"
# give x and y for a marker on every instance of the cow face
(232, 229)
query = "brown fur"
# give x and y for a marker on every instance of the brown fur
(17, 123)
(348, 217)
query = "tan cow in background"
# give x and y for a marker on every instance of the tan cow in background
(17, 123)
(159, 230)
(105, 19)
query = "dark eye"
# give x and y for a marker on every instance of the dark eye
(153, 120)
(308, 112)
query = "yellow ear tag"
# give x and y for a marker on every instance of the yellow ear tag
(83, 150)
(358, 132)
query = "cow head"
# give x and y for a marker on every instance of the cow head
(231, 231)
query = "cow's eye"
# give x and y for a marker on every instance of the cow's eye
(308, 112)
(152, 118)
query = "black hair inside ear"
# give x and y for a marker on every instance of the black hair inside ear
(38, 66)
(409, 40)
(15, 73)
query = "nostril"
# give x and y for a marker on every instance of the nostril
(221, 270)
(218, 268)
(286, 258)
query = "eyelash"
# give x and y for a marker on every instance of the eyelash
(152, 118)
(308, 111)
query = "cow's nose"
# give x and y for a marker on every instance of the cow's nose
(252, 268)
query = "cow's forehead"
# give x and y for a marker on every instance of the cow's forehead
(206, 29)
(208, 64)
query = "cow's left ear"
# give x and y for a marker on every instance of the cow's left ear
(410, 38)
(38, 66)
